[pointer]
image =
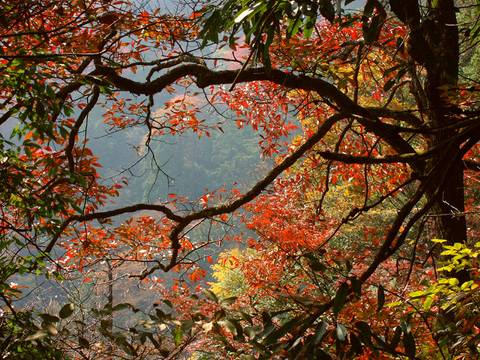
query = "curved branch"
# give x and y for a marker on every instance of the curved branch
(111, 213)
(207, 77)
(76, 127)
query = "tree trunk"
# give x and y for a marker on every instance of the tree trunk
(441, 60)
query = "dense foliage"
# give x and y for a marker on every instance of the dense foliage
(239, 179)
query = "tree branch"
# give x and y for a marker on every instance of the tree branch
(206, 77)
(76, 127)
(184, 221)
(471, 165)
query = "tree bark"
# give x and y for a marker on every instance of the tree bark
(441, 60)
(434, 43)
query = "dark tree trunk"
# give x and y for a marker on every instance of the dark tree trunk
(435, 44)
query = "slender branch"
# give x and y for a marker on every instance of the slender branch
(206, 77)
(76, 127)
(108, 214)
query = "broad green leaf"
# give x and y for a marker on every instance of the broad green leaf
(283, 330)
(341, 332)
(177, 335)
(380, 298)
(320, 332)
(417, 294)
(36, 336)
(427, 304)
(210, 295)
(66, 310)
(340, 298)
(327, 10)
(229, 325)
(409, 344)
(49, 318)
(243, 14)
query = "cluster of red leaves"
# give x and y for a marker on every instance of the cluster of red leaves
(263, 106)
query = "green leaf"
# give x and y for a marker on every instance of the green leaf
(66, 310)
(252, 331)
(409, 344)
(210, 295)
(36, 336)
(341, 332)
(47, 318)
(394, 304)
(283, 330)
(392, 69)
(168, 303)
(124, 306)
(245, 12)
(397, 334)
(327, 10)
(229, 326)
(340, 298)
(123, 343)
(427, 304)
(83, 343)
(320, 332)
(293, 26)
(187, 326)
(380, 298)
(229, 300)
(308, 26)
(389, 84)
(178, 335)
(417, 294)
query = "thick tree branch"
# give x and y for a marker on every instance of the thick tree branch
(206, 77)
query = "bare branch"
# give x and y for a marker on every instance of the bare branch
(76, 127)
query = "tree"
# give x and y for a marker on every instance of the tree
(385, 119)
